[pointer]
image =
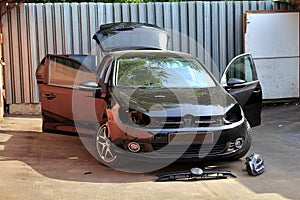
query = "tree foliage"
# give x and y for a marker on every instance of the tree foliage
(142, 71)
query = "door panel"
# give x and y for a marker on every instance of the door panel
(57, 112)
(64, 106)
(247, 91)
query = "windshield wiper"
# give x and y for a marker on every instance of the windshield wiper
(195, 174)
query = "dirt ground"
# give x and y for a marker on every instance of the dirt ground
(36, 165)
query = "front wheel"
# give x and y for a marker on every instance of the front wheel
(104, 147)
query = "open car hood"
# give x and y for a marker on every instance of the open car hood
(130, 36)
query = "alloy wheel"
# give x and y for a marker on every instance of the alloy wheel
(104, 145)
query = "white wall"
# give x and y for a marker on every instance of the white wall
(273, 40)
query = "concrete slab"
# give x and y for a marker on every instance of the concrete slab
(36, 165)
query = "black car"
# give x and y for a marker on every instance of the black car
(147, 102)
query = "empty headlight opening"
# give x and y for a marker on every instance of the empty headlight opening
(233, 115)
(139, 118)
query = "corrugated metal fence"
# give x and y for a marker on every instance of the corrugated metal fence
(33, 30)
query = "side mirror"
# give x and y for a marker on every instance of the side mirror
(89, 86)
(235, 81)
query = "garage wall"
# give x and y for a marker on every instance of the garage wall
(33, 30)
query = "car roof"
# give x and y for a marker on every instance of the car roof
(149, 53)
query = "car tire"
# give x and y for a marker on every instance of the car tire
(105, 148)
(248, 141)
(43, 123)
(46, 130)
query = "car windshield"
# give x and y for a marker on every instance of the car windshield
(165, 72)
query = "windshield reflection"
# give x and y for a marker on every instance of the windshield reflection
(162, 72)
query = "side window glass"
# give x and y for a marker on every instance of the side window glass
(104, 69)
(108, 73)
(68, 73)
(241, 68)
(89, 61)
(40, 72)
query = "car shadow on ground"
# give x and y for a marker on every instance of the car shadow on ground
(64, 157)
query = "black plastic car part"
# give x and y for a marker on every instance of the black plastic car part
(195, 174)
(255, 164)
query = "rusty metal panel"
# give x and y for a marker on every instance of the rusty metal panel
(58, 27)
(50, 28)
(159, 14)
(150, 13)
(200, 31)
(109, 12)
(33, 54)
(230, 31)
(192, 28)
(101, 13)
(167, 16)
(215, 42)
(269, 5)
(117, 12)
(75, 28)
(66, 31)
(253, 5)
(238, 21)
(142, 12)
(94, 24)
(41, 30)
(207, 35)
(15, 57)
(6, 56)
(261, 5)
(184, 29)
(175, 27)
(84, 29)
(222, 37)
(134, 12)
(126, 12)
(208, 30)
(24, 52)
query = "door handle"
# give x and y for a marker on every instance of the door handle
(49, 96)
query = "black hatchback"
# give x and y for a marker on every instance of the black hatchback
(149, 103)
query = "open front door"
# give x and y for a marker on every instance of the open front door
(240, 80)
(61, 100)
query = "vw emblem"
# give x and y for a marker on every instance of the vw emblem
(188, 120)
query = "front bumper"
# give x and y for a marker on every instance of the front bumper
(158, 146)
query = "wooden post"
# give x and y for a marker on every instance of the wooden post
(1, 77)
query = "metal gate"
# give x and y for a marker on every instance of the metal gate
(32, 30)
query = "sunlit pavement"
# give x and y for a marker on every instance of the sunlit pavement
(36, 165)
